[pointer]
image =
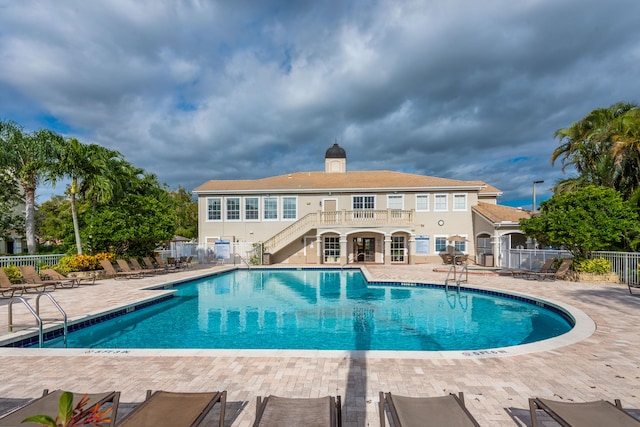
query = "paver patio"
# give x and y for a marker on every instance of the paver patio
(606, 365)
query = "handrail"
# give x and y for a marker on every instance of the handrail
(36, 314)
(38, 319)
(465, 269)
(64, 314)
(446, 281)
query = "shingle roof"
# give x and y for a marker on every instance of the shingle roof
(499, 213)
(358, 180)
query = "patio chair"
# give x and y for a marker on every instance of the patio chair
(426, 411)
(546, 267)
(48, 405)
(151, 266)
(111, 271)
(126, 268)
(51, 274)
(165, 265)
(8, 289)
(587, 414)
(135, 266)
(308, 412)
(633, 286)
(558, 274)
(31, 277)
(164, 408)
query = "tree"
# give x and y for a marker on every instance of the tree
(587, 219)
(133, 223)
(603, 148)
(186, 209)
(28, 158)
(53, 220)
(10, 219)
(90, 169)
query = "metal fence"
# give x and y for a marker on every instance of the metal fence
(35, 260)
(624, 264)
(532, 259)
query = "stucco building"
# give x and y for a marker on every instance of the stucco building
(342, 217)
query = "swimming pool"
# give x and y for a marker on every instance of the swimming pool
(326, 310)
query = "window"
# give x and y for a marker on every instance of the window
(233, 208)
(395, 202)
(270, 208)
(440, 202)
(459, 202)
(331, 249)
(422, 202)
(460, 246)
(441, 244)
(289, 207)
(363, 203)
(397, 249)
(251, 209)
(214, 209)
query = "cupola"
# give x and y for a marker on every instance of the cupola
(335, 160)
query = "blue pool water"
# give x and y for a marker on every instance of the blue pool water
(322, 309)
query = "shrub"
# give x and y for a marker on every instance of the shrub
(82, 262)
(597, 265)
(13, 272)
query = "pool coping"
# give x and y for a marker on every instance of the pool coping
(583, 328)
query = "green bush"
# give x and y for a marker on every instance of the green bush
(82, 262)
(597, 265)
(13, 272)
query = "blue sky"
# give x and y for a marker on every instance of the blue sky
(195, 90)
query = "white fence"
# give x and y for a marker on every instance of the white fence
(35, 260)
(624, 264)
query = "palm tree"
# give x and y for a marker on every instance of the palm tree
(587, 145)
(89, 168)
(28, 158)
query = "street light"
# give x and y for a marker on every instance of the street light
(533, 201)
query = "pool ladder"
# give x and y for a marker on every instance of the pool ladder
(457, 277)
(36, 314)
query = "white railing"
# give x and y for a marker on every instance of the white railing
(293, 231)
(532, 259)
(625, 264)
(332, 218)
(35, 260)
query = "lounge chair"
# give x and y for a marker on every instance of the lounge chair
(137, 267)
(558, 274)
(31, 276)
(51, 274)
(151, 266)
(597, 414)
(426, 411)
(633, 286)
(8, 289)
(124, 266)
(111, 271)
(48, 405)
(164, 408)
(313, 412)
(165, 265)
(546, 268)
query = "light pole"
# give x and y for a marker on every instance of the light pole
(533, 201)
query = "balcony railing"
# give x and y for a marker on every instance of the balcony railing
(337, 218)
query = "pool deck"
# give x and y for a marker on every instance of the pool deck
(604, 364)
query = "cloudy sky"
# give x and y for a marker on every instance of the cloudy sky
(195, 90)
